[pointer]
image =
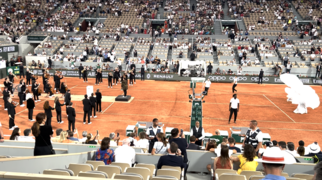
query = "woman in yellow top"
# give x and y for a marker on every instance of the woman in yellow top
(247, 159)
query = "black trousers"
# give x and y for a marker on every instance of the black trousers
(58, 116)
(36, 97)
(21, 97)
(199, 142)
(93, 110)
(30, 113)
(88, 114)
(206, 89)
(125, 92)
(260, 80)
(142, 76)
(42, 150)
(99, 104)
(12, 121)
(97, 80)
(5, 101)
(71, 124)
(109, 83)
(115, 79)
(79, 74)
(131, 81)
(28, 81)
(22, 73)
(232, 110)
(234, 86)
(317, 74)
(85, 78)
(48, 121)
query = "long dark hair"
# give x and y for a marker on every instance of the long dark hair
(249, 152)
(211, 144)
(105, 144)
(36, 126)
(224, 156)
(163, 139)
(46, 105)
(15, 134)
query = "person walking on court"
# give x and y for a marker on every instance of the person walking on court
(260, 77)
(142, 73)
(235, 84)
(233, 107)
(87, 109)
(207, 85)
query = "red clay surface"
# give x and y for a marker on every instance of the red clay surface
(168, 101)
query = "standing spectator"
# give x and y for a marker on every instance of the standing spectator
(247, 159)
(182, 145)
(254, 136)
(42, 135)
(104, 153)
(30, 107)
(209, 68)
(318, 71)
(125, 153)
(285, 59)
(161, 146)
(288, 67)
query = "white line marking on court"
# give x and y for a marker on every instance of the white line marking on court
(279, 108)
(73, 87)
(107, 108)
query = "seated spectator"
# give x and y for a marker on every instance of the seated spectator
(161, 146)
(71, 136)
(84, 134)
(223, 161)
(92, 140)
(174, 158)
(247, 159)
(290, 147)
(57, 138)
(224, 141)
(287, 156)
(125, 153)
(104, 153)
(26, 136)
(132, 139)
(192, 144)
(231, 142)
(143, 142)
(314, 149)
(301, 150)
(257, 61)
(113, 139)
(230, 71)
(15, 134)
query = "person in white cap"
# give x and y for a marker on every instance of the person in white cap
(273, 162)
(314, 149)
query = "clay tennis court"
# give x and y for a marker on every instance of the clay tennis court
(168, 101)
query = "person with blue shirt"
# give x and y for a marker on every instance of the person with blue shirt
(104, 153)
(273, 161)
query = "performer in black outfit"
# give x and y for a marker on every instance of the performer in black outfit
(8, 84)
(98, 100)
(28, 77)
(87, 109)
(124, 84)
(30, 107)
(48, 113)
(116, 76)
(260, 78)
(101, 76)
(85, 74)
(48, 89)
(11, 113)
(93, 105)
(21, 71)
(21, 92)
(142, 73)
(133, 68)
(58, 110)
(11, 77)
(80, 68)
(97, 77)
(63, 89)
(67, 98)
(110, 79)
(6, 95)
(57, 79)
(71, 116)
(44, 77)
(35, 87)
(131, 77)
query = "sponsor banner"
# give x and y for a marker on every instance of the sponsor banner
(176, 77)
(14, 69)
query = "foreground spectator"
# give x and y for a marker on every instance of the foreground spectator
(223, 162)
(193, 144)
(71, 136)
(182, 145)
(232, 146)
(161, 146)
(318, 171)
(290, 147)
(92, 140)
(273, 163)
(26, 136)
(143, 142)
(125, 153)
(247, 159)
(174, 158)
(15, 134)
(288, 156)
(42, 134)
(104, 153)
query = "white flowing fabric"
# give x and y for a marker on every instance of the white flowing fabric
(302, 95)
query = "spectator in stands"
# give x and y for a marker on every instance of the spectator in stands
(92, 140)
(161, 146)
(174, 158)
(209, 68)
(104, 153)
(132, 139)
(42, 135)
(318, 171)
(223, 161)
(288, 156)
(254, 136)
(291, 149)
(314, 149)
(232, 146)
(84, 134)
(182, 144)
(301, 150)
(71, 136)
(15, 134)
(192, 144)
(56, 139)
(114, 140)
(143, 142)
(247, 159)
(26, 136)
(217, 136)
(273, 162)
(192, 56)
(125, 153)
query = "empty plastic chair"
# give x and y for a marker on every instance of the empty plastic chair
(169, 172)
(149, 166)
(110, 170)
(123, 166)
(285, 174)
(227, 176)
(256, 177)
(219, 172)
(128, 176)
(94, 174)
(95, 163)
(248, 174)
(164, 178)
(303, 176)
(76, 168)
(61, 172)
(143, 171)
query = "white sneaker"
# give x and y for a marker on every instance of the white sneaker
(113, 84)
(90, 123)
(134, 82)
(11, 129)
(32, 120)
(90, 116)
(22, 105)
(111, 87)
(84, 123)
(108, 86)
(6, 109)
(61, 122)
(58, 122)
(84, 81)
(95, 116)
(15, 126)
